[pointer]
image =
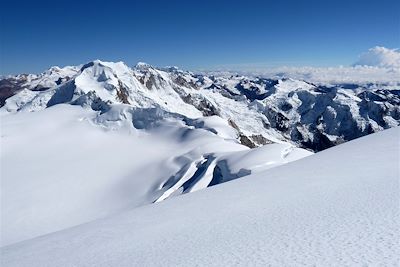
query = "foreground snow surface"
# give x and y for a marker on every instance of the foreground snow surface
(339, 207)
(65, 165)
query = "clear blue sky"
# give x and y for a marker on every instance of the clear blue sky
(193, 34)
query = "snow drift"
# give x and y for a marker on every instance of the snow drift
(65, 165)
(338, 207)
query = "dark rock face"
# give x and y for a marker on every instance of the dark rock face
(122, 93)
(180, 81)
(259, 139)
(87, 65)
(202, 104)
(244, 140)
(251, 89)
(277, 119)
(8, 88)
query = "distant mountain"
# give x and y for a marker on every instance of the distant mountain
(262, 110)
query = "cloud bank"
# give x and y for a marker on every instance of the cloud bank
(390, 78)
(379, 56)
(379, 65)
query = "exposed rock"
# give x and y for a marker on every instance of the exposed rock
(8, 88)
(233, 124)
(244, 140)
(122, 93)
(202, 104)
(260, 140)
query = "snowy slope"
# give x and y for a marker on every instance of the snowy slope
(66, 165)
(338, 207)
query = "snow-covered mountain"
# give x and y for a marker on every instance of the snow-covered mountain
(339, 207)
(108, 139)
(86, 142)
(311, 116)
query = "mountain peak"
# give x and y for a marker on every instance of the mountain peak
(143, 66)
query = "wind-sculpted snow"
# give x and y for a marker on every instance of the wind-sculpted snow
(66, 165)
(338, 207)
(312, 116)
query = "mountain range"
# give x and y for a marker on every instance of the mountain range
(108, 165)
(262, 110)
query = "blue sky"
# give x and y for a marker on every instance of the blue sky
(193, 34)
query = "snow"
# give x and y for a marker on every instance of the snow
(338, 207)
(288, 85)
(49, 78)
(265, 157)
(59, 171)
(15, 102)
(97, 161)
(249, 120)
(67, 165)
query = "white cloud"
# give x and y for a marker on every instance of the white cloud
(390, 77)
(379, 65)
(379, 56)
(333, 75)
